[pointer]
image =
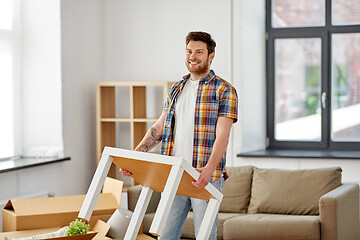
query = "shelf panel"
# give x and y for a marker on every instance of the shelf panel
(144, 119)
(128, 120)
(115, 120)
(139, 131)
(107, 102)
(135, 83)
(139, 101)
(107, 135)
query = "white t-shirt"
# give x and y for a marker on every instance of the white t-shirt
(184, 121)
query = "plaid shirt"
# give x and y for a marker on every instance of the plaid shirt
(215, 98)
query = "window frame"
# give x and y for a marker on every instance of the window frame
(325, 34)
(13, 37)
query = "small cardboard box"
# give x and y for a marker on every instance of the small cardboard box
(37, 213)
(98, 231)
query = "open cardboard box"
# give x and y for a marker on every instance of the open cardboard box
(98, 231)
(39, 213)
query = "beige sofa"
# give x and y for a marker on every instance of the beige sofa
(278, 204)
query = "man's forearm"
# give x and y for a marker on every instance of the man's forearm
(222, 139)
(151, 139)
(218, 152)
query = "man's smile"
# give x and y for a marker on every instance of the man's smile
(194, 63)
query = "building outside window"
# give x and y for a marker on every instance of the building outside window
(313, 74)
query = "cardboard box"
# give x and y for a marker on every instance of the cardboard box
(37, 213)
(98, 231)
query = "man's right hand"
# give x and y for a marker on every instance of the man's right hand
(125, 173)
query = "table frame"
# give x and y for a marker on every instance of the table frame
(177, 181)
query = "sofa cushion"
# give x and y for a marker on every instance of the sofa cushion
(291, 191)
(188, 229)
(236, 190)
(272, 227)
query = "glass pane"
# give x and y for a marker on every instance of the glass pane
(297, 89)
(6, 14)
(345, 111)
(345, 12)
(6, 114)
(299, 13)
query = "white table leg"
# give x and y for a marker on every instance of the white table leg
(166, 200)
(209, 218)
(138, 215)
(97, 183)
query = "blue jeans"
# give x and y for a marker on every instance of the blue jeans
(179, 211)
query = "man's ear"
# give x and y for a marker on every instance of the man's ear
(211, 56)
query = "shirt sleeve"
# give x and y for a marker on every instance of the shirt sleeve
(229, 103)
(166, 105)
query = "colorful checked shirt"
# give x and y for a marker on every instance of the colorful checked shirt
(215, 98)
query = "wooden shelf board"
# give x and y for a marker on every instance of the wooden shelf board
(129, 84)
(144, 119)
(115, 120)
(128, 119)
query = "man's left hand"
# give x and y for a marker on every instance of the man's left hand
(204, 179)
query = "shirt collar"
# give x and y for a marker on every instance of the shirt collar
(205, 80)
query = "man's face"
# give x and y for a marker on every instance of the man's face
(197, 58)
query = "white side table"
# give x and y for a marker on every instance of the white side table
(169, 175)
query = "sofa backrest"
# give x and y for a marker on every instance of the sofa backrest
(291, 191)
(237, 189)
(133, 195)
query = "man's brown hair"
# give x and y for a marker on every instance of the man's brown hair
(203, 37)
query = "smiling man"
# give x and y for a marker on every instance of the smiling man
(195, 125)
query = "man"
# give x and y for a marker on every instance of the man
(195, 125)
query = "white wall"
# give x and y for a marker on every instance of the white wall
(145, 40)
(249, 72)
(82, 34)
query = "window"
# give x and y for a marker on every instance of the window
(6, 79)
(313, 74)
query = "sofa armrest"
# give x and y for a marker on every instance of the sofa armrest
(339, 213)
(133, 194)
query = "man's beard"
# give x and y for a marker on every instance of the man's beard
(199, 70)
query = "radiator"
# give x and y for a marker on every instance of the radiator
(30, 195)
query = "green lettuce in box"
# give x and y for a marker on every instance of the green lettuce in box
(77, 227)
